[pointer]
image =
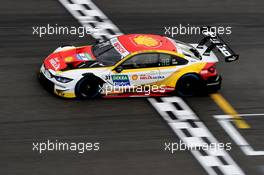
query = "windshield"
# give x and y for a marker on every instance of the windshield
(106, 54)
(188, 50)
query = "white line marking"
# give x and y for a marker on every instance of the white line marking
(225, 122)
(250, 115)
(89, 15)
(181, 121)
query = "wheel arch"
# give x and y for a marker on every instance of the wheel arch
(94, 77)
(90, 77)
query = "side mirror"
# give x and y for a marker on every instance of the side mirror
(119, 69)
(99, 41)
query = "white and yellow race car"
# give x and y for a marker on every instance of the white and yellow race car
(135, 65)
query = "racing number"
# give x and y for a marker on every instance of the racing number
(222, 48)
(107, 77)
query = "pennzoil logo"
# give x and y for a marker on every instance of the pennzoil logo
(146, 41)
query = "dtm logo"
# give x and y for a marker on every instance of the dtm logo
(120, 80)
(55, 62)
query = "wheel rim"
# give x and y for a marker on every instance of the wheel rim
(188, 85)
(88, 90)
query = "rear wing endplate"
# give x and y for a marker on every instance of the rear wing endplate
(215, 41)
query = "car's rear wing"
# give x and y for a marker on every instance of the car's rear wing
(215, 41)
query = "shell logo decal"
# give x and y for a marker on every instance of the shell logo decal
(146, 41)
(134, 77)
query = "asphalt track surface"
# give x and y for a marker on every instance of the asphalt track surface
(131, 133)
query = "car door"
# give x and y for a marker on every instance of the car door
(169, 64)
(139, 70)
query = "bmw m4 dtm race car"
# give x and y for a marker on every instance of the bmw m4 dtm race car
(135, 65)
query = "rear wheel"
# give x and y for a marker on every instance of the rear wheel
(87, 88)
(188, 85)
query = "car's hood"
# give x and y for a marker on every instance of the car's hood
(61, 60)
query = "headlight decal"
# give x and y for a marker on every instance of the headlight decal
(62, 79)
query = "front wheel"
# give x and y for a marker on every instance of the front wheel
(87, 88)
(188, 85)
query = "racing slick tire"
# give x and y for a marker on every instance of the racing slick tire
(87, 88)
(188, 85)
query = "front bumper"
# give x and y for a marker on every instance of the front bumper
(47, 84)
(213, 84)
(52, 87)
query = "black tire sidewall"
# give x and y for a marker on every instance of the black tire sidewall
(195, 85)
(95, 88)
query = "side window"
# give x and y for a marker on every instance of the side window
(171, 60)
(142, 61)
(165, 60)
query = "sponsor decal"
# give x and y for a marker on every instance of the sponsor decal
(151, 77)
(84, 57)
(107, 77)
(119, 48)
(68, 59)
(134, 77)
(146, 41)
(120, 80)
(55, 62)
